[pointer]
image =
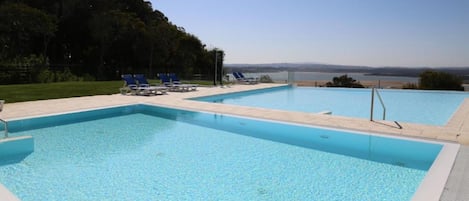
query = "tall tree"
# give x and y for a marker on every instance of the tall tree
(24, 30)
(100, 38)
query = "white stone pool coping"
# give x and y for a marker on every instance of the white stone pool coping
(432, 186)
(456, 131)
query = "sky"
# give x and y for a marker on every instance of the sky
(378, 33)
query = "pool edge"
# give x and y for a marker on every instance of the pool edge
(6, 195)
(433, 184)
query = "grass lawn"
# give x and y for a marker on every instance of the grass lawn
(32, 92)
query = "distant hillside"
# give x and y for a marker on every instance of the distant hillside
(316, 67)
(306, 67)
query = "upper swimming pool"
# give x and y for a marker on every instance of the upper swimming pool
(414, 106)
(143, 152)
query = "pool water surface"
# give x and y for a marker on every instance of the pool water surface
(150, 153)
(413, 106)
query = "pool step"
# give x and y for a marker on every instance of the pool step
(15, 149)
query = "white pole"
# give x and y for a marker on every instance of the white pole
(372, 102)
(216, 66)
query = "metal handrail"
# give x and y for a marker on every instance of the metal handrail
(382, 104)
(6, 127)
(372, 103)
(4, 122)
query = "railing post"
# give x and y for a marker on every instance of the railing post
(291, 77)
(372, 102)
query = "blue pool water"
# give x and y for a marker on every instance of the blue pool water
(142, 152)
(414, 106)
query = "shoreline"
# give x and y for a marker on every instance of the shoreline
(367, 83)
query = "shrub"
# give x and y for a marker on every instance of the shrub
(66, 75)
(344, 81)
(87, 77)
(20, 69)
(433, 80)
(45, 76)
(410, 85)
(265, 79)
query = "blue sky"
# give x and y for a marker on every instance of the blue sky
(432, 33)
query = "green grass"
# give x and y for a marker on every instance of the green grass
(32, 92)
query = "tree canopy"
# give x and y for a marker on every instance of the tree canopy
(434, 80)
(344, 81)
(99, 39)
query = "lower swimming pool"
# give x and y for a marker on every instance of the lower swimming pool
(143, 152)
(414, 106)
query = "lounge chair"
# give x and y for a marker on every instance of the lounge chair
(174, 78)
(185, 87)
(175, 84)
(130, 85)
(251, 79)
(243, 80)
(145, 86)
(164, 79)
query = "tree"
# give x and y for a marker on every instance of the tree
(24, 30)
(25, 33)
(100, 38)
(433, 80)
(156, 43)
(344, 81)
(117, 35)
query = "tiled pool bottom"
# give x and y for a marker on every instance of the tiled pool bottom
(148, 156)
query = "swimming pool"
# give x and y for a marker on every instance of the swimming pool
(413, 106)
(143, 152)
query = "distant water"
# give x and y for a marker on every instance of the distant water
(283, 76)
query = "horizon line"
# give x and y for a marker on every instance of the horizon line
(367, 66)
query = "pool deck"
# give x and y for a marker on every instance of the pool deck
(457, 129)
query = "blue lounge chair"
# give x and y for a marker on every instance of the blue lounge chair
(130, 85)
(243, 80)
(142, 81)
(174, 78)
(164, 79)
(145, 86)
(248, 78)
(182, 87)
(174, 84)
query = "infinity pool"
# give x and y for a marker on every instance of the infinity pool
(414, 106)
(142, 152)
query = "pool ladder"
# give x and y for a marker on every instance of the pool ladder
(4, 122)
(6, 127)
(373, 90)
